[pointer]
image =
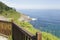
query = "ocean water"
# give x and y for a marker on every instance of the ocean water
(47, 20)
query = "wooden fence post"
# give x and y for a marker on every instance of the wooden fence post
(38, 36)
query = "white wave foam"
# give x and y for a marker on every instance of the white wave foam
(34, 19)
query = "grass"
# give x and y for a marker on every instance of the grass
(10, 37)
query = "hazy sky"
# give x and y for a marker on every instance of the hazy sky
(33, 4)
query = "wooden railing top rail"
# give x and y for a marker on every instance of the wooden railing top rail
(23, 30)
(5, 21)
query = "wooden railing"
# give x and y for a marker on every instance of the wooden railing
(17, 32)
(21, 34)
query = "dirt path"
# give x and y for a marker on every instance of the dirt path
(3, 38)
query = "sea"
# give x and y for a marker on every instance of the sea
(47, 20)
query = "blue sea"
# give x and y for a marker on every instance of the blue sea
(47, 20)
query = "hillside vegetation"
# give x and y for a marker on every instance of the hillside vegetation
(9, 12)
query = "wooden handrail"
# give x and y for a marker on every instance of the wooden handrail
(5, 21)
(23, 30)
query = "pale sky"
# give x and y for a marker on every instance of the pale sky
(33, 4)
